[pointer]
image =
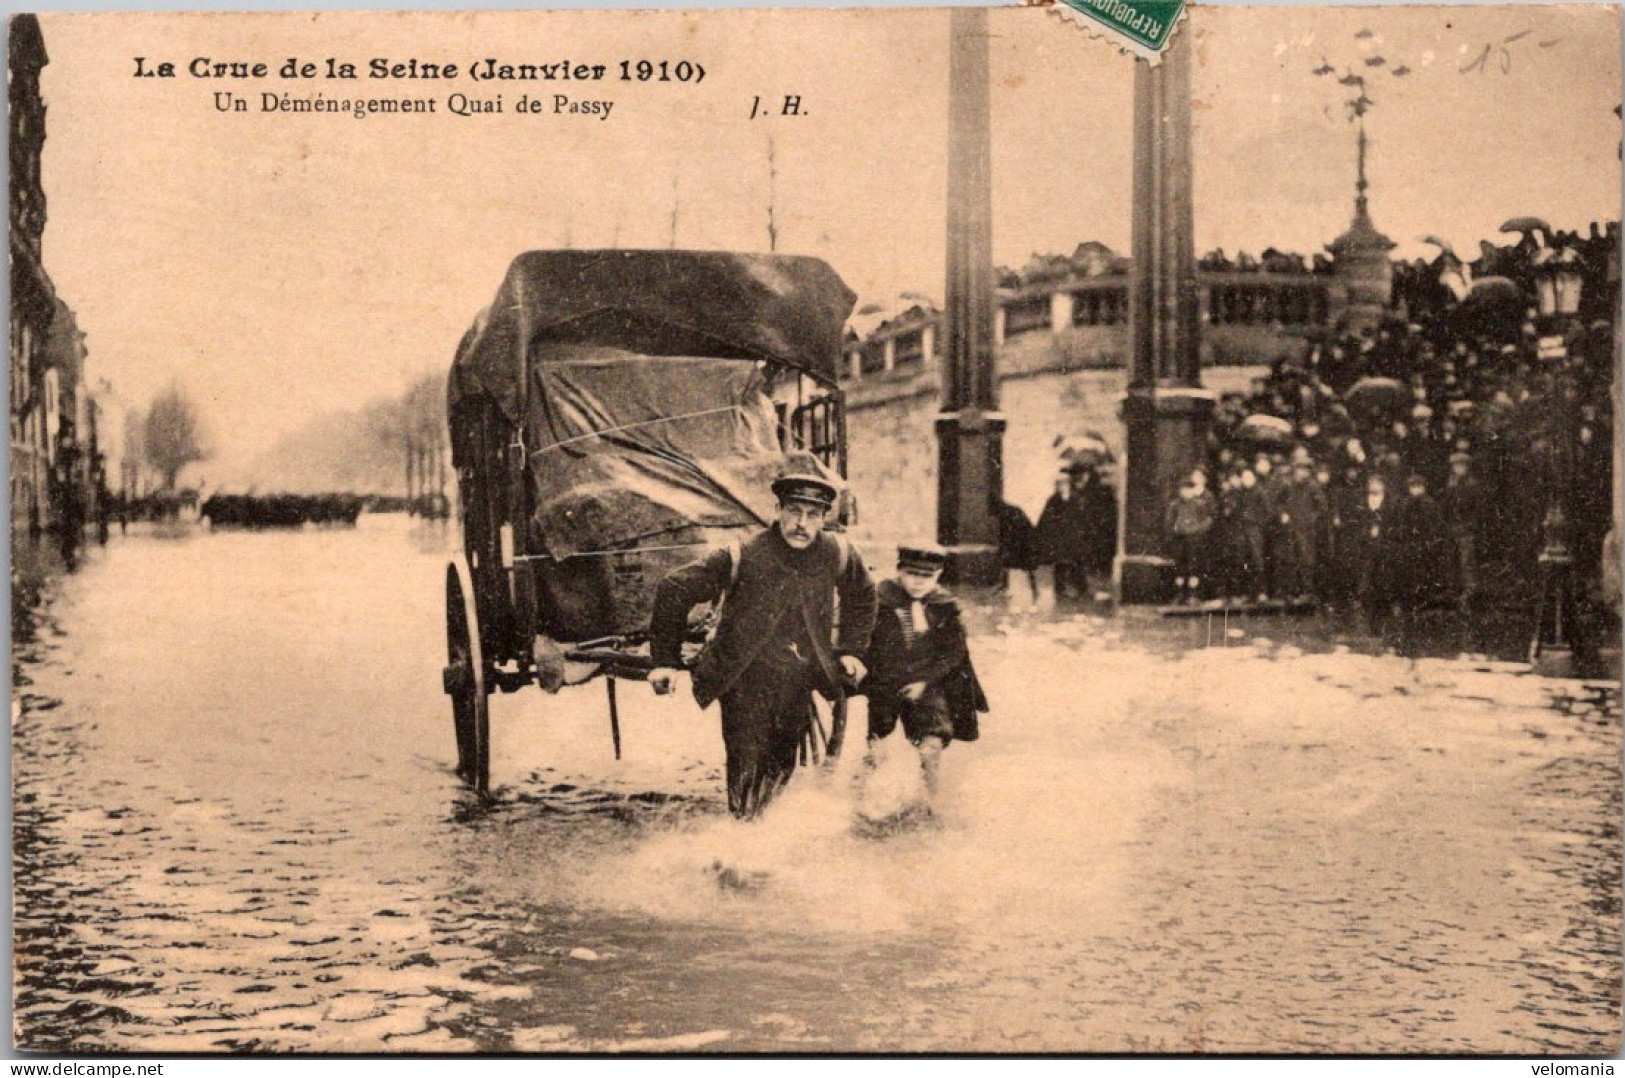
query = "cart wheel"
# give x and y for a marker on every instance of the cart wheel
(464, 679)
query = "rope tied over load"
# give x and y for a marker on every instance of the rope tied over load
(656, 421)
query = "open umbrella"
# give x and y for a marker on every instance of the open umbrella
(1496, 291)
(1526, 225)
(1088, 447)
(1443, 245)
(1378, 399)
(1265, 430)
(1494, 307)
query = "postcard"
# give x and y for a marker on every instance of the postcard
(1088, 528)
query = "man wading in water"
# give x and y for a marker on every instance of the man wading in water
(772, 647)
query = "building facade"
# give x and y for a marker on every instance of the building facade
(33, 300)
(54, 451)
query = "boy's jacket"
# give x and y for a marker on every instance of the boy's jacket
(940, 657)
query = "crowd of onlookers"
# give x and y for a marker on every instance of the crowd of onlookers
(1411, 464)
(280, 510)
(1270, 261)
(1397, 465)
(1421, 285)
(1094, 259)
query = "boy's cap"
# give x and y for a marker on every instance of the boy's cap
(924, 557)
(804, 487)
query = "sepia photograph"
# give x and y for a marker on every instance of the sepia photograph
(807, 532)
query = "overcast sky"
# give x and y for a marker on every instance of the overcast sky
(281, 265)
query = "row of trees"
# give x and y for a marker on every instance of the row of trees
(370, 449)
(366, 451)
(412, 427)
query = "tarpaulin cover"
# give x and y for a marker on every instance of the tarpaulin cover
(640, 463)
(778, 308)
(627, 448)
(648, 423)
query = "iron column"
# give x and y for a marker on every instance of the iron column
(970, 430)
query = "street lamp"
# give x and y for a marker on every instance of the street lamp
(1558, 280)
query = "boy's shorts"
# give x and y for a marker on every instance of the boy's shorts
(922, 718)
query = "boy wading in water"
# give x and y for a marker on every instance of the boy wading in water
(919, 663)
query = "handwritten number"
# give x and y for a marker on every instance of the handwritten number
(1501, 56)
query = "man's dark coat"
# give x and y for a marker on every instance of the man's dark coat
(1380, 550)
(1079, 528)
(776, 595)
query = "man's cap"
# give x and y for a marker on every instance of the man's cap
(924, 557)
(805, 487)
(1459, 457)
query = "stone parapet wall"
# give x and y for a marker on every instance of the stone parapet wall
(892, 459)
(1073, 324)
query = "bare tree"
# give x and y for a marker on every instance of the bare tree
(423, 411)
(386, 422)
(172, 435)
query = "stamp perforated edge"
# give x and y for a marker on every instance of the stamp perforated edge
(1104, 31)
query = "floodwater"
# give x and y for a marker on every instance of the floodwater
(236, 829)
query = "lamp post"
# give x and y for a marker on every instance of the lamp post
(1558, 280)
(1361, 254)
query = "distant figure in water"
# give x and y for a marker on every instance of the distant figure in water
(920, 668)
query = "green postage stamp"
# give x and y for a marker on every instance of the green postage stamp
(1144, 27)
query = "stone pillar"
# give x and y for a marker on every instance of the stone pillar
(928, 343)
(888, 354)
(998, 325)
(970, 431)
(1166, 412)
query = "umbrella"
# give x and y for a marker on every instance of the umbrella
(1494, 307)
(1443, 245)
(1527, 225)
(1265, 430)
(1378, 398)
(1495, 291)
(1085, 448)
